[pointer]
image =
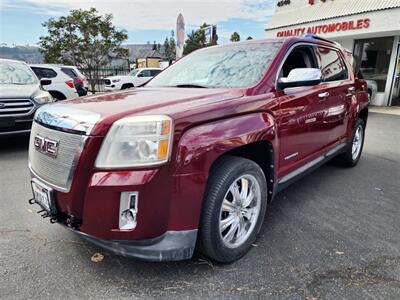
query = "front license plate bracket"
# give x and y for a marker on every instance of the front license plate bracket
(44, 197)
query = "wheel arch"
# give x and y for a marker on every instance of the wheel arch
(57, 94)
(260, 152)
(363, 115)
(127, 85)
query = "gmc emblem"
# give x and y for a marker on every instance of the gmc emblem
(46, 146)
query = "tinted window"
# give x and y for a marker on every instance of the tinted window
(300, 57)
(331, 64)
(240, 65)
(44, 72)
(145, 73)
(70, 72)
(154, 72)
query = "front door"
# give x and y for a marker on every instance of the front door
(302, 132)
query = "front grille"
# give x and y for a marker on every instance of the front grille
(15, 107)
(55, 171)
(107, 82)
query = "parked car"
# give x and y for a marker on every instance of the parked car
(192, 159)
(135, 78)
(62, 86)
(80, 81)
(21, 93)
(73, 71)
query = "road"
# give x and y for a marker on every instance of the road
(333, 235)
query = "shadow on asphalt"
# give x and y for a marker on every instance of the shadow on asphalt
(275, 215)
(9, 144)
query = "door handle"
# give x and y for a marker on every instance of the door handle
(323, 95)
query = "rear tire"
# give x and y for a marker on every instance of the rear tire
(233, 210)
(353, 153)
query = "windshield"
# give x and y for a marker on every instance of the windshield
(16, 73)
(134, 72)
(241, 65)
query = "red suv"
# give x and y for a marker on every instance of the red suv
(192, 159)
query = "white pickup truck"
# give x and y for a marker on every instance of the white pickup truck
(135, 78)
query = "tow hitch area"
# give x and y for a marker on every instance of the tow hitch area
(44, 213)
(69, 221)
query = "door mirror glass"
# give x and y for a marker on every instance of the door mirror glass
(45, 81)
(300, 77)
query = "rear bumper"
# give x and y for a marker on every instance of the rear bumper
(171, 246)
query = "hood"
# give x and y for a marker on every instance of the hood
(106, 108)
(18, 90)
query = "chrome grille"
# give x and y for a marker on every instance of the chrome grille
(56, 172)
(15, 107)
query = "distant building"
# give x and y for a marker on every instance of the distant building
(368, 28)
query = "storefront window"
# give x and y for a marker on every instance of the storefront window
(373, 57)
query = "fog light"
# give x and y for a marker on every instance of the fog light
(128, 210)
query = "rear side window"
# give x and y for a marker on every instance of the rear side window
(331, 64)
(70, 72)
(154, 72)
(145, 73)
(44, 72)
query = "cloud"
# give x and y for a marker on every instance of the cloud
(157, 14)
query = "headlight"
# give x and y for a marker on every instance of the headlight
(43, 97)
(136, 141)
(116, 80)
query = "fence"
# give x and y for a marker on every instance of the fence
(100, 75)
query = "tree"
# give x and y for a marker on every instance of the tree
(249, 38)
(84, 39)
(197, 39)
(170, 47)
(156, 47)
(235, 37)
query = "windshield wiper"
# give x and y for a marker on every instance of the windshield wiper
(191, 85)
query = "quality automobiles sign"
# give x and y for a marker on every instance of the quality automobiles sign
(326, 28)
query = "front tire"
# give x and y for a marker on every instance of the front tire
(234, 208)
(353, 153)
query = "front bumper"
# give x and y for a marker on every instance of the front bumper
(18, 125)
(171, 246)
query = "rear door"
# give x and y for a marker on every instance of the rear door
(338, 83)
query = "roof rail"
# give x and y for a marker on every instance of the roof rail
(317, 37)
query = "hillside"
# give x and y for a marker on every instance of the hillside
(28, 54)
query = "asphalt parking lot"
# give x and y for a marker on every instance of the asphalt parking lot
(333, 235)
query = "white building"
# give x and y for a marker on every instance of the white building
(369, 28)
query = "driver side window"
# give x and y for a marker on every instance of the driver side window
(300, 57)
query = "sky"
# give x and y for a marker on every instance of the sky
(144, 20)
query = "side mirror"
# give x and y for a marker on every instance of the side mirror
(300, 77)
(140, 75)
(44, 82)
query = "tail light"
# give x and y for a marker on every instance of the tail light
(70, 83)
